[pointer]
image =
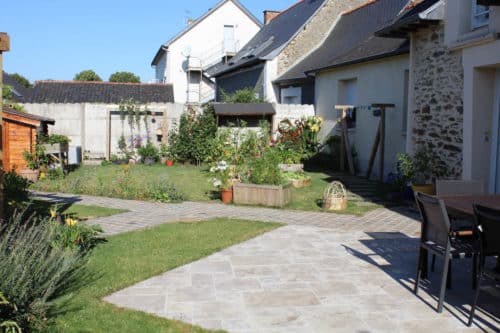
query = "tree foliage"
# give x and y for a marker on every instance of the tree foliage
(21, 80)
(125, 77)
(87, 75)
(192, 141)
(246, 95)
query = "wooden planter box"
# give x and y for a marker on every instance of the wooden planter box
(267, 195)
(299, 183)
(55, 148)
(31, 175)
(291, 167)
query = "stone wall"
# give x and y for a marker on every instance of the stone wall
(437, 113)
(314, 32)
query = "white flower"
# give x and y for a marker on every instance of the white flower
(217, 183)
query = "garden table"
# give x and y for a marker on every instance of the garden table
(461, 205)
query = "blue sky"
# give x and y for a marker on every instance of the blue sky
(55, 39)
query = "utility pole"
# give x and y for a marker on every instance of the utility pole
(4, 47)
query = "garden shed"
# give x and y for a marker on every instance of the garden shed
(20, 131)
(234, 114)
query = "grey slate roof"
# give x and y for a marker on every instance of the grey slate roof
(19, 93)
(416, 13)
(272, 38)
(165, 45)
(352, 40)
(99, 92)
(243, 109)
(29, 116)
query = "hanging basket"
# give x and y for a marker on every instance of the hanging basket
(335, 196)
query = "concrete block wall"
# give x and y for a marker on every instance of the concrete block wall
(86, 124)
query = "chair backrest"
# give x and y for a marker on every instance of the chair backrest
(488, 223)
(435, 221)
(458, 187)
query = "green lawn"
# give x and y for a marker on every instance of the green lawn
(132, 257)
(192, 181)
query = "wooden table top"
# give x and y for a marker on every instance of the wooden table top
(462, 204)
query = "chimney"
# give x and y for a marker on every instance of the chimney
(269, 15)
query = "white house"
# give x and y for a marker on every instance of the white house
(454, 94)
(214, 37)
(354, 67)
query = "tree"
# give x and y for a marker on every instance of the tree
(87, 75)
(125, 77)
(21, 80)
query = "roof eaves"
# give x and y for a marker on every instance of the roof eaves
(240, 66)
(403, 26)
(397, 52)
(158, 55)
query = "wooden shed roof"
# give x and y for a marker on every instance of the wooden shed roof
(26, 118)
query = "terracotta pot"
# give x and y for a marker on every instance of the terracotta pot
(169, 163)
(226, 195)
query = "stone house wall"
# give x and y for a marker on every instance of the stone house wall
(314, 32)
(437, 108)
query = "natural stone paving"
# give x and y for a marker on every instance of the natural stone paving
(306, 279)
(320, 273)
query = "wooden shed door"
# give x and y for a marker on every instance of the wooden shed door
(5, 146)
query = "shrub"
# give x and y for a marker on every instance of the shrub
(247, 95)
(33, 273)
(148, 151)
(15, 190)
(301, 136)
(192, 141)
(70, 234)
(265, 170)
(7, 325)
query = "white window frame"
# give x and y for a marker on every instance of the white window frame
(476, 15)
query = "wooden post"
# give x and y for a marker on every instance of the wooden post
(374, 152)
(108, 135)
(382, 107)
(4, 47)
(345, 149)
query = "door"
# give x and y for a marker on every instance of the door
(229, 45)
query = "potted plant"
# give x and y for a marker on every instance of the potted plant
(223, 180)
(422, 169)
(148, 153)
(263, 183)
(34, 160)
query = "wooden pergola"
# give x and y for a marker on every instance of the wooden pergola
(4, 47)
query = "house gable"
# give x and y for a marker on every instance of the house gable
(192, 25)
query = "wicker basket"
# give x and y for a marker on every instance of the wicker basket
(335, 196)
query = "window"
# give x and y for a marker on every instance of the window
(480, 15)
(291, 95)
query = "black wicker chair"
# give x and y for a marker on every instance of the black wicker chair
(437, 238)
(488, 226)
